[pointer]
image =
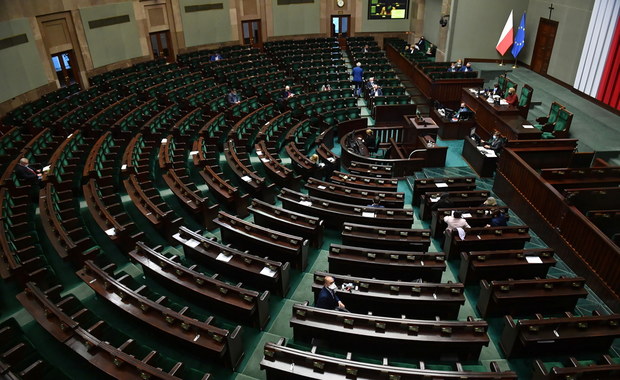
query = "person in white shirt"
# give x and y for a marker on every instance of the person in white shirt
(455, 221)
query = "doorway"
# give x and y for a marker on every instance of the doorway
(340, 26)
(160, 45)
(65, 67)
(545, 37)
(252, 33)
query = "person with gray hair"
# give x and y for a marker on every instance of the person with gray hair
(358, 78)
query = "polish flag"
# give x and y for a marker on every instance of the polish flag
(505, 40)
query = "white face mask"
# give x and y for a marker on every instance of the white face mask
(332, 286)
(494, 137)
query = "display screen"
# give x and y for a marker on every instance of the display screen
(388, 9)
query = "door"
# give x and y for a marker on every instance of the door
(160, 45)
(340, 26)
(65, 68)
(252, 33)
(545, 37)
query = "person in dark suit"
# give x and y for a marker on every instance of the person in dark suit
(453, 68)
(376, 91)
(287, 93)
(26, 174)
(216, 56)
(497, 91)
(327, 298)
(366, 49)
(498, 219)
(376, 202)
(421, 44)
(466, 68)
(370, 141)
(232, 97)
(496, 142)
(431, 50)
(371, 82)
(443, 202)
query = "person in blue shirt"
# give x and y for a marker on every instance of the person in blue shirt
(232, 97)
(453, 68)
(498, 219)
(327, 298)
(376, 202)
(358, 78)
(216, 57)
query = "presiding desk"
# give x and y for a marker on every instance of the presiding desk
(452, 130)
(506, 119)
(483, 161)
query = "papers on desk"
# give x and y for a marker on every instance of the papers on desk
(487, 152)
(223, 257)
(533, 260)
(264, 159)
(111, 231)
(321, 187)
(46, 168)
(441, 184)
(473, 90)
(305, 203)
(193, 153)
(502, 102)
(528, 126)
(368, 214)
(490, 100)
(246, 178)
(434, 199)
(192, 243)
(267, 272)
(466, 215)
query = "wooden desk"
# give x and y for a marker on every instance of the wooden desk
(452, 130)
(505, 119)
(484, 165)
(424, 127)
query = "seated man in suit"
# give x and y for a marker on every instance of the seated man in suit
(498, 219)
(366, 49)
(371, 82)
(376, 202)
(216, 56)
(421, 44)
(327, 298)
(232, 97)
(497, 91)
(496, 142)
(466, 68)
(459, 64)
(512, 97)
(26, 174)
(453, 68)
(287, 93)
(376, 91)
(430, 52)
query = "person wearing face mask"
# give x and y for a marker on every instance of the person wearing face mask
(496, 142)
(327, 298)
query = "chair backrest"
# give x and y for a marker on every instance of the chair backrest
(564, 120)
(554, 111)
(501, 81)
(526, 96)
(510, 84)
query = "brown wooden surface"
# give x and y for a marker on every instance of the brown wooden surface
(543, 47)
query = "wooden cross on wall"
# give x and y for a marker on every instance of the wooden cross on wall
(551, 8)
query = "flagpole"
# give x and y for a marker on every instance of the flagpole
(501, 62)
(515, 65)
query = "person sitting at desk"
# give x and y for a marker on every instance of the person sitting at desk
(466, 68)
(443, 202)
(430, 52)
(421, 44)
(27, 174)
(326, 87)
(512, 97)
(453, 68)
(327, 298)
(376, 91)
(463, 110)
(366, 49)
(371, 82)
(498, 219)
(459, 64)
(287, 92)
(496, 142)
(216, 56)
(492, 202)
(232, 97)
(497, 91)
(376, 202)
(455, 221)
